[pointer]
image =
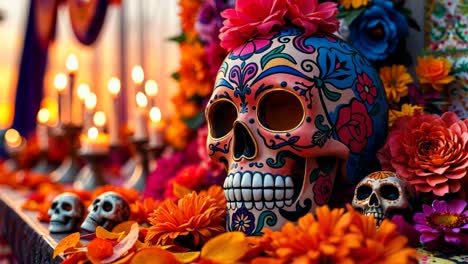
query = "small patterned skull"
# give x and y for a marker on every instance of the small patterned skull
(383, 194)
(107, 210)
(66, 213)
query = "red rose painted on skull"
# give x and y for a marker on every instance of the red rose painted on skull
(354, 125)
(323, 189)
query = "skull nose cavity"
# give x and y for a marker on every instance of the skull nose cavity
(374, 201)
(244, 145)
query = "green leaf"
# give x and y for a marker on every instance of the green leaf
(196, 121)
(276, 53)
(332, 96)
(180, 38)
(314, 175)
(352, 14)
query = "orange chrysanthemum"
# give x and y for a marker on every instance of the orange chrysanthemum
(395, 80)
(140, 211)
(189, 223)
(216, 192)
(337, 237)
(347, 4)
(434, 72)
(187, 10)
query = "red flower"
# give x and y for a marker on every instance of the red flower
(354, 126)
(428, 150)
(323, 189)
(366, 89)
(249, 19)
(312, 16)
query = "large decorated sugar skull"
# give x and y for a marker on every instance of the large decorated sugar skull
(383, 194)
(288, 114)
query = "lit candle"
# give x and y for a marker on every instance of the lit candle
(156, 137)
(114, 89)
(151, 90)
(72, 67)
(12, 138)
(43, 117)
(94, 142)
(138, 76)
(60, 83)
(99, 120)
(82, 91)
(141, 126)
(90, 105)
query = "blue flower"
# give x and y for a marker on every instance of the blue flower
(377, 31)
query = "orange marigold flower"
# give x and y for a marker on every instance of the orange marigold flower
(177, 133)
(194, 220)
(99, 249)
(337, 237)
(347, 4)
(188, 11)
(406, 110)
(434, 71)
(395, 80)
(216, 192)
(142, 210)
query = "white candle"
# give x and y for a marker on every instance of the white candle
(42, 135)
(13, 139)
(156, 137)
(90, 105)
(151, 90)
(94, 142)
(60, 83)
(72, 67)
(138, 76)
(83, 91)
(141, 126)
(114, 89)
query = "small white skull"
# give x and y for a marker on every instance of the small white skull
(66, 213)
(107, 210)
(383, 194)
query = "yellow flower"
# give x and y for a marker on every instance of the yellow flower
(354, 3)
(434, 71)
(395, 80)
(406, 110)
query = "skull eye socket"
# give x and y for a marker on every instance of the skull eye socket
(221, 117)
(54, 205)
(107, 206)
(280, 110)
(66, 206)
(389, 192)
(363, 192)
(96, 201)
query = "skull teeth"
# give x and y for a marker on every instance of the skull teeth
(377, 213)
(257, 190)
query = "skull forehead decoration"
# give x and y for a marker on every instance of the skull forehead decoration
(66, 213)
(383, 194)
(107, 210)
(288, 113)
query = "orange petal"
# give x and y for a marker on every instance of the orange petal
(104, 234)
(187, 257)
(225, 248)
(67, 242)
(154, 255)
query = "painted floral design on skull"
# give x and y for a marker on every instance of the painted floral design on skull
(290, 113)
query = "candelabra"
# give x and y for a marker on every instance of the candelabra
(137, 179)
(91, 176)
(69, 168)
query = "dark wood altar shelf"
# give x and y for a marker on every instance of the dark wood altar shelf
(29, 239)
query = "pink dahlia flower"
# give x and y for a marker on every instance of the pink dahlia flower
(430, 151)
(312, 16)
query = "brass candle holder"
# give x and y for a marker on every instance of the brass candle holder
(91, 176)
(43, 165)
(137, 179)
(69, 168)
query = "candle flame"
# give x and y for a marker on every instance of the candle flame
(43, 116)
(155, 114)
(13, 138)
(151, 88)
(83, 91)
(60, 82)
(6, 115)
(114, 86)
(90, 101)
(141, 100)
(72, 63)
(138, 75)
(99, 118)
(93, 133)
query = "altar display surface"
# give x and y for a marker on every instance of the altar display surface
(29, 239)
